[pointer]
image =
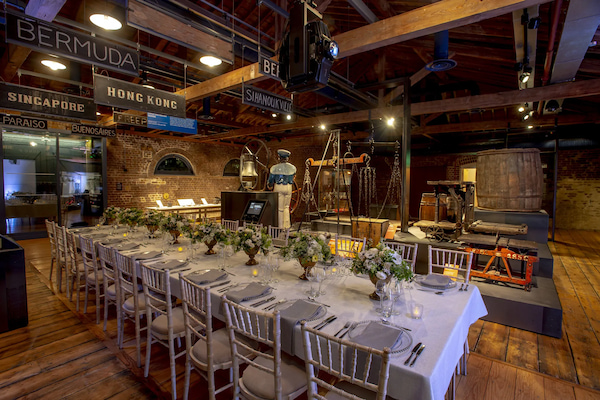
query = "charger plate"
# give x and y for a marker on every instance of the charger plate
(401, 346)
(322, 311)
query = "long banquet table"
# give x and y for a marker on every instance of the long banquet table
(443, 328)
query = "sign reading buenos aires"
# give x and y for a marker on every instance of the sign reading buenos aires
(121, 94)
(266, 100)
(55, 39)
(93, 130)
(24, 122)
(22, 98)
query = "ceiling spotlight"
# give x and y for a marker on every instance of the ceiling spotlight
(521, 109)
(526, 74)
(552, 106)
(526, 117)
(288, 117)
(106, 22)
(210, 61)
(529, 126)
(322, 127)
(390, 121)
(33, 144)
(145, 82)
(274, 115)
(54, 65)
(98, 113)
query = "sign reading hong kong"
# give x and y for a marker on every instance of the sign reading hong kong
(121, 94)
(55, 39)
(22, 98)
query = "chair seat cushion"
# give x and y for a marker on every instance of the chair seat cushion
(261, 383)
(92, 278)
(221, 348)
(111, 292)
(160, 324)
(352, 389)
(129, 304)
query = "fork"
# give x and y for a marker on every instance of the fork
(346, 326)
(351, 327)
(461, 287)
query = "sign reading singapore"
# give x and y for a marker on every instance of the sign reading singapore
(55, 39)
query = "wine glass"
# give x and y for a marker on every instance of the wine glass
(380, 290)
(315, 276)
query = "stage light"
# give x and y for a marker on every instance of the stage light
(529, 126)
(524, 77)
(526, 117)
(210, 61)
(105, 21)
(390, 121)
(322, 127)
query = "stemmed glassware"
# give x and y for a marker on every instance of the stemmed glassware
(380, 289)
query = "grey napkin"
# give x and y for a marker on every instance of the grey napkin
(169, 264)
(206, 277)
(110, 241)
(436, 281)
(301, 309)
(377, 336)
(126, 246)
(146, 255)
(252, 291)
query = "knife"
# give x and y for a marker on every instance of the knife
(414, 350)
(260, 303)
(418, 354)
(219, 284)
(326, 322)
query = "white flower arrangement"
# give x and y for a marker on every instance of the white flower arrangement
(382, 262)
(250, 238)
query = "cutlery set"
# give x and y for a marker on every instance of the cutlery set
(327, 321)
(416, 351)
(265, 301)
(272, 306)
(466, 288)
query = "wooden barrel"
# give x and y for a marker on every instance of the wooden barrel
(510, 180)
(427, 207)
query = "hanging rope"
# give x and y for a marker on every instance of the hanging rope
(395, 185)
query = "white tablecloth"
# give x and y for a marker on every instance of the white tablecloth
(443, 328)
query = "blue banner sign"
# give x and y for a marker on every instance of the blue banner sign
(175, 124)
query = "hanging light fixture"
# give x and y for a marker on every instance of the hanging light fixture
(54, 65)
(526, 74)
(145, 82)
(210, 61)
(105, 21)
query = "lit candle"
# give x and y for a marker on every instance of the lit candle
(416, 310)
(254, 272)
(180, 248)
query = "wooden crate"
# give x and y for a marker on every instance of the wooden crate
(371, 228)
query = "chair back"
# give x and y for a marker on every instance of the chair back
(279, 235)
(230, 224)
(259, 326)
(345, 360)
(157, 292)
(72, 249)
(50, 228)
(347, 247)
(441, 260)
(126, 275)
(408, 252)
(62, 252)
(107, 264)
(88, 254)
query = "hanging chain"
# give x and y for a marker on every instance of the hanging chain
(395, 185)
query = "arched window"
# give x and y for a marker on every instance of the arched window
(173, 164)
(232, 168)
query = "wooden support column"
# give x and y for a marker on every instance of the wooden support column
(404, 209)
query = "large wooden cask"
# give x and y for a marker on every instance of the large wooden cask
(510, 180)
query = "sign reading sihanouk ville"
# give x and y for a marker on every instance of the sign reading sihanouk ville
(266, 100)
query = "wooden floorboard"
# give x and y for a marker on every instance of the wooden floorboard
(64, 354)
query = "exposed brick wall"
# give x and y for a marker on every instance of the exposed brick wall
(131, 162)
(578, 193)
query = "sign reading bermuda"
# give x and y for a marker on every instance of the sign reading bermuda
(22, 98)
(121, 94)
(55, 39)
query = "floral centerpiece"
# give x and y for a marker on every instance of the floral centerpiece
(110, 214)
(252, 239)
(381, 262)
(210, 233)
(131, 216)
(175, 224)
(308, 249)
(152, 220)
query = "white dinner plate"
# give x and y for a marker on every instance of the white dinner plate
(419, 281)
(401, 345)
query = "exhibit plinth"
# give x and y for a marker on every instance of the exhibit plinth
(13, 286)
(233, 205)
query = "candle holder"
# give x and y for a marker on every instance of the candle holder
(415, 309)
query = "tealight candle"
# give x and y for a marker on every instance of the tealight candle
(180, 248)
(125, 235)
(416, 310)
(254, 272)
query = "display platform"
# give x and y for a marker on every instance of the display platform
(329, 224)
(233, 205)
(537, 311)
(537, 222)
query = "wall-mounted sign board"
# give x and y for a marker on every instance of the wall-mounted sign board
(50, 38)
(266, 100)
(130, 119)
(268, 67)
(93, 130)
(121, 94)
(23, 98)
(164, 122)
(23, 122)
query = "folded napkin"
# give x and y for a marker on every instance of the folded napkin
(252, 291)
(146, 255)
(126, 246)
(110, 241)
(436, 281)
(206, 277)
(169, 264)
(300, 310)
(377, 336)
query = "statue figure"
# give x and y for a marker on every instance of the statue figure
(281, 179)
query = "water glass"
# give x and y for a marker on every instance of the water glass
(265, 273)
(387, 307)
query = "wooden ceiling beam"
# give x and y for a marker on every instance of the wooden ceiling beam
(563, 90)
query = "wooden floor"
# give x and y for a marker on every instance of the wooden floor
(64, 354)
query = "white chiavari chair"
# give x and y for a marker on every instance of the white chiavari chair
(407, 251)
(455, 263)
(340, 358)
(207, 350)
(92, 273)
(110, 282)
(76, 267)
(248, 224)
(230, 224)
(279, 235)
(165, 323)
(269, 374)
(50, 229)
(347, 247)
(62, 257)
